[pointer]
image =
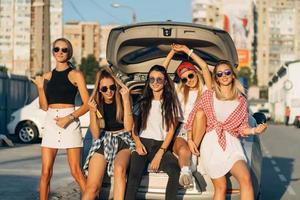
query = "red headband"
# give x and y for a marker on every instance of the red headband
(185, 66)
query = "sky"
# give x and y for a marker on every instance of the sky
(146, 10)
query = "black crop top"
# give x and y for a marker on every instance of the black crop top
(111, 123)
(60, 89)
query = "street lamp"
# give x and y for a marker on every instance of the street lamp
(117, 5)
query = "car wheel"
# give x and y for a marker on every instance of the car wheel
(27, 132)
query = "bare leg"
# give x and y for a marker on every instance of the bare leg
(48, 158)
(241, 173)
(181, 149)
(220, 188)
(97, 168)
(199, 127)
(120, 166)
(74, 155)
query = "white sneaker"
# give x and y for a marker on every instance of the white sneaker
(186, 179)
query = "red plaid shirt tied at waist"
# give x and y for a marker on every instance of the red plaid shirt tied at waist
(234, 124)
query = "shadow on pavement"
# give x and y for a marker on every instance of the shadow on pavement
(274, 187)
(14, 187)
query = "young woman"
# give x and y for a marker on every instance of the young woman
(190, 88)
(112, 151)
(62, 128)
(227, 119)
(158, 111)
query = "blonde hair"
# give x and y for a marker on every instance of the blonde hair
(96, 95)
(236, 87)
(184, 89)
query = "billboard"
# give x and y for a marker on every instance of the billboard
(244, 57)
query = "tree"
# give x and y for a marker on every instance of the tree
(89, 66)
(3, 69)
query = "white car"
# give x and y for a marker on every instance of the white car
(27, 122)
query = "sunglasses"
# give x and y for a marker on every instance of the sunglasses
(158, 80)
(111, 88)
(57, 49)
(189, 77)
(227, 72)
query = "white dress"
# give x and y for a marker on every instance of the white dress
(217, 162)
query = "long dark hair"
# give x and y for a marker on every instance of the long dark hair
(169, 101)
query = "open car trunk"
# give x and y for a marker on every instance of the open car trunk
(136, 48)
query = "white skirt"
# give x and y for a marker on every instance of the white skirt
(61, 138)
(217, 162)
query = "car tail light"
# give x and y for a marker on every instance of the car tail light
(233, 191)
(298, 117)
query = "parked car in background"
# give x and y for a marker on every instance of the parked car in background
(28, 122)
(131, 51)
(266, 112)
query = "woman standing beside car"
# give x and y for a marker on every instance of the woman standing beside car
(57, 90)
(227, 120)
(153, 132)
(192, 85)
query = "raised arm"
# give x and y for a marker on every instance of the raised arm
(39, 81)
(94, 121)
(200, 62)
(128, 119)
(168, 58)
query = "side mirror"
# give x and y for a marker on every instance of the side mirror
(260, 117)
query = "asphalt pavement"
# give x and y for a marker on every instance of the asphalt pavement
(20, 168)
(281, 163)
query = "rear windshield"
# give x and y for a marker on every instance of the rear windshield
(153, 52)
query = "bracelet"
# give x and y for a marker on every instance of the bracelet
(71, 117)
(190, 52)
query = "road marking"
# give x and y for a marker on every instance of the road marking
(282, 178)
(277, 169)
(291, 191)
(273, 162)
